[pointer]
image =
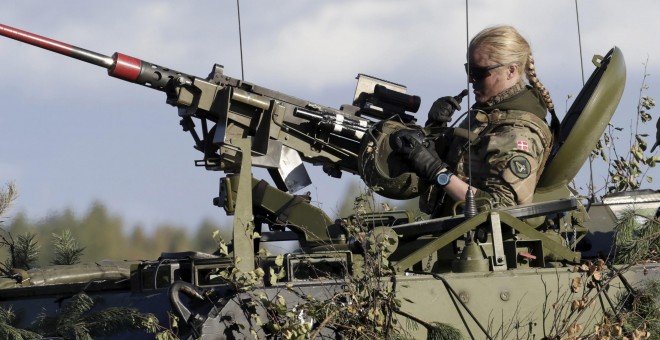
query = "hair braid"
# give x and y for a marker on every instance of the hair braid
(530, 72)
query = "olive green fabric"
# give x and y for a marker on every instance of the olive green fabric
(509, 154)
(520, 97)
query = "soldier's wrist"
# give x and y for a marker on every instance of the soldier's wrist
(443, 177)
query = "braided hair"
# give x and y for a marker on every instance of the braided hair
(506, 45)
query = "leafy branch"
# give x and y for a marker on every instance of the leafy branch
(629, 170)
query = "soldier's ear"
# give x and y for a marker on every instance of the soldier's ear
(512, 71)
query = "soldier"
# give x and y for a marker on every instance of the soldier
(512, 140)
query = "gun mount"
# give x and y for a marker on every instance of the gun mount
(243, 125)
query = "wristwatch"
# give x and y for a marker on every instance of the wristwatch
(443, 178)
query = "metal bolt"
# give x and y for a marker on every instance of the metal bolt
(464, 297)
(181, 81)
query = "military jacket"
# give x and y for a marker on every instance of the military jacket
(510, 151)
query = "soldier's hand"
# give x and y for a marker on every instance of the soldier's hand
(442, 109)
(405, 141)
(424, 160)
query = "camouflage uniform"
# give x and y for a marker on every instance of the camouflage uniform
(510, 151)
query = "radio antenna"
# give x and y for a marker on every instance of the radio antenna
(470, 209)
(240, 37)
(592, 193)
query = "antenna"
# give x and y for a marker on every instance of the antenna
(240, 37)
(470, 205)
(577, 18)
(592, 193)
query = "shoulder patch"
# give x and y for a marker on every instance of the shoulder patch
(520, 167)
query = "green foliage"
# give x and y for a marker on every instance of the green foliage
(8, 329)
(638, 317)
(24, 252)
(7, 197)
(364, 308)
(66, 324)
(440, 331)
(636, 241)
(643, 310)
(104, 236)
(201, 240)
(77, 321)
(67, 250)
(368, 202)
(628, 171)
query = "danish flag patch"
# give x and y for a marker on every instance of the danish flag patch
(522, 145)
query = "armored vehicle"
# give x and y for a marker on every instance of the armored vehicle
(488, 273)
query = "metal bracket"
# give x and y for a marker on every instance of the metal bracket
(499, 258)
(243, 218)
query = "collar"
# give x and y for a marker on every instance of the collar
(517, 97)
(506, 94)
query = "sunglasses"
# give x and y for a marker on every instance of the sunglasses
(478, 73)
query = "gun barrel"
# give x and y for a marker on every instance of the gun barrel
(56, 46)
(118, 65)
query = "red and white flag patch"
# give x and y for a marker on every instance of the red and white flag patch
(522, 145)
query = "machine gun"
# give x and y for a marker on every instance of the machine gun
(273, 122)
(244, 125)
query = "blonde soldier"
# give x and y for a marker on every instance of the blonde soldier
(513, 140)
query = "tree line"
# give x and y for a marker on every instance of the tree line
(104, 235)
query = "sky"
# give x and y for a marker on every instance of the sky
(71, 135)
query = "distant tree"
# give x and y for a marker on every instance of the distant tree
(372, 202)
(140, 245)
(102, 234)
(203, 240)
(170, 238)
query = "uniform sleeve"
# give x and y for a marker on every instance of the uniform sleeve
(514, 154)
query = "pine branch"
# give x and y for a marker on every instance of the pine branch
(69, 323)
(66, 248)
(111, 321)
(635, 241)
(25, 252)
(11, 332)
(76, 322)
(8, 329)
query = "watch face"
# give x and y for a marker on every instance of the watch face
(443, 178)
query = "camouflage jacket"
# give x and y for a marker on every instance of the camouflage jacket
(513, 142)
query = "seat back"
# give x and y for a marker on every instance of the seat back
(583, 125)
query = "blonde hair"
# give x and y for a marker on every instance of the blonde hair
(506, 46)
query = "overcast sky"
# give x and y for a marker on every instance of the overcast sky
(72, 135)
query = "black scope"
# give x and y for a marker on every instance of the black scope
(405, 101)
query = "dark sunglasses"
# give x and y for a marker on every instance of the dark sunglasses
(478, 73)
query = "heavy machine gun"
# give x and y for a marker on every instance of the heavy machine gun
(237, 110)
(242, 125)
